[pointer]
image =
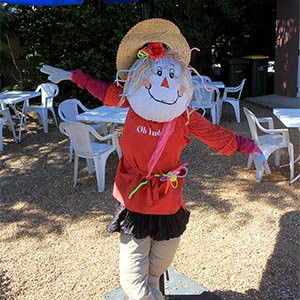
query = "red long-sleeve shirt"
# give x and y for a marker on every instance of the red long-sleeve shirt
(138, 142)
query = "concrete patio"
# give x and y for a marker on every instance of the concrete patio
(275, 101)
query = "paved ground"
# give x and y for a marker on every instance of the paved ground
(242, 241)
(275, 101)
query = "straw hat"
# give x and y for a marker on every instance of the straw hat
(147, 31)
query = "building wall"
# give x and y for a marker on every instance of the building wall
(286, 48)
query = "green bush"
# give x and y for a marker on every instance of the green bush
(86, 37)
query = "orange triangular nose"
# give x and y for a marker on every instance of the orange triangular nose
(165, 83)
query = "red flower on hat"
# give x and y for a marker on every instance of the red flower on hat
(155, 50)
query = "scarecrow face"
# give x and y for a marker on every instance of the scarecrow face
(165, 90)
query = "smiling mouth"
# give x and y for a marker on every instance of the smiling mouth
(162, 100)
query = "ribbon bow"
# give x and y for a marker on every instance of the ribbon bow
(171, 179)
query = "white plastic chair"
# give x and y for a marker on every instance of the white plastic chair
(48, 92)
(69, 109)
(5, 117)
(273, 140)
(206, 96)
(206, 79)
(94, 149)
(234, 100)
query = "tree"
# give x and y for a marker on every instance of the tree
(87, 37)
(6, 33)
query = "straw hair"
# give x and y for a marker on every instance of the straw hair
(148, 31)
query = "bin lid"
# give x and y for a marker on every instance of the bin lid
(235, 60)
(256, 57)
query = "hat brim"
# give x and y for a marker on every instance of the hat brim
(148, 31)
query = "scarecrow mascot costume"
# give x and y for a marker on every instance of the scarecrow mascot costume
(155, 82)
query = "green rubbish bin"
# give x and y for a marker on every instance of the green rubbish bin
(234, 70)
(257, 73)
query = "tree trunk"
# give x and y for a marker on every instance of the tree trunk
(14, 61)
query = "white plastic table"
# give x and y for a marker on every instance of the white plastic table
(290, 117)
(14, 97)
(104, 114)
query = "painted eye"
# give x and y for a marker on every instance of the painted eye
(171, 73)
(159, 71)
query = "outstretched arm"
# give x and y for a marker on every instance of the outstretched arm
(106, 92)
(227, 142)
(96, 87)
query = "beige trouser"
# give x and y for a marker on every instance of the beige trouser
(142, 262)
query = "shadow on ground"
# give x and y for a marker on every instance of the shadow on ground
(37, 198)
(36, 181)
(285, 259)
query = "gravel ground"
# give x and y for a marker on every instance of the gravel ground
(242, 241)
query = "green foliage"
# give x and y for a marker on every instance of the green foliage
(86, 37)
(225, 27)
(246, 28)
(82, 37)
(5, 60)
(222, 28)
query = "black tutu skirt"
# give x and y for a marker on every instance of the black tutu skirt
(158, 227)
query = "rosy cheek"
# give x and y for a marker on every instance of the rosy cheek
(182, 90)
(146, 83)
